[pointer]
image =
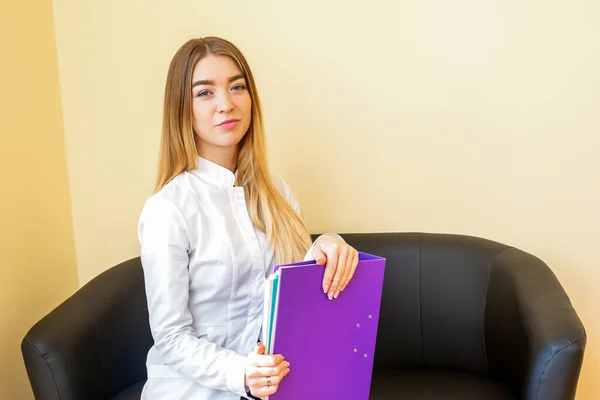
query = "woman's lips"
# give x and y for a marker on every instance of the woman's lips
(228, 124)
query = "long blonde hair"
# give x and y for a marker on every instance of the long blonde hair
(269, 210)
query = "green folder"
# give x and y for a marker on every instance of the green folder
(270, 311)
(275, 284)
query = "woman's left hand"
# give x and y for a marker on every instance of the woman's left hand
(341, 260)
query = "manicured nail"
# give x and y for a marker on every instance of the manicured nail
(330, 295)
(326, 288)
(337, 294)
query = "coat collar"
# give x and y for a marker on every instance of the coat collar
(214, 173)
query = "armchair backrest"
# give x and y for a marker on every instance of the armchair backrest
(434, 299)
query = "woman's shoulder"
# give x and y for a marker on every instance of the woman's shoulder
(173, 196)
(286, 190)
(281, 184)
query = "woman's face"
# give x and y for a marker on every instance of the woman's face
(221, 104)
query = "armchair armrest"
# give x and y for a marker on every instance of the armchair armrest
(535, 340)
(94, 344)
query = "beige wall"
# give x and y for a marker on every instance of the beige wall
(37, 252)
(470, 116)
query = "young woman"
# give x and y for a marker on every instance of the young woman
(212, 232)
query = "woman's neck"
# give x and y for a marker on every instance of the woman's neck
(226, 158)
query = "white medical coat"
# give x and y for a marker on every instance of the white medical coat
(205, 266)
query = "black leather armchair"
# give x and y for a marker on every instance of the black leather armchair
(462, 318)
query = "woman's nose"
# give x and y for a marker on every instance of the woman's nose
(224, 103)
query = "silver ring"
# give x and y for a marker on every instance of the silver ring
(268, 381)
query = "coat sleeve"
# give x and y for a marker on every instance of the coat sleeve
(165, 242)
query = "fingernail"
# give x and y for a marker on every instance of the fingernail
(326, 288)
(287, 371)
(337, 294)
(330, 295)
(287, 364)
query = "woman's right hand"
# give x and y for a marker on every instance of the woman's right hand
(265, 372)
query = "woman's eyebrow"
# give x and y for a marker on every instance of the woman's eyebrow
(212, 83)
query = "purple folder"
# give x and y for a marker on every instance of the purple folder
(329, 344)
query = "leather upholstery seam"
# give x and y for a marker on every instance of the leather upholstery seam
(487, 286)
(537, 394)
(421, 300)
(47, 365)
(101, 353)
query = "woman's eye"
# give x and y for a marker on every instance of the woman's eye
(203, 93)
(239, 87)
